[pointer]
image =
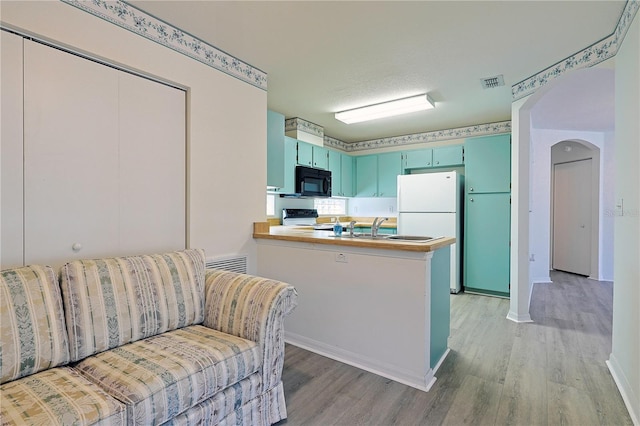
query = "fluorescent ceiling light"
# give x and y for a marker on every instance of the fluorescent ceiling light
(386, 109)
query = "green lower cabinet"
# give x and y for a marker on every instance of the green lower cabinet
(486, 243)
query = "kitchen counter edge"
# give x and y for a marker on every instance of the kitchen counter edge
(262, 230)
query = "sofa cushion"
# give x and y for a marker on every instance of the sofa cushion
(237, 404)
(164, 375)
(111, 302)
(59, 396)
(32, 330)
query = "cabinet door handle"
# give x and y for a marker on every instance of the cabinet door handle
(437, 162)
(471, 199)
(470, 189)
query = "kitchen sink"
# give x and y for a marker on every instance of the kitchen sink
(414, 238)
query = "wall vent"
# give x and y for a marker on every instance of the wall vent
(491, 82)
(232, 263)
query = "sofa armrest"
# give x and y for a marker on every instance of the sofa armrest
(252, 308)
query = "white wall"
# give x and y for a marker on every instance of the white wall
(226, 121)
(373, 206)
(540, 200)
(624, 362)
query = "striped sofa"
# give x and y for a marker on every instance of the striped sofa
(142, 340)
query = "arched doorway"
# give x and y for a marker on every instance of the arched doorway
(577, 105)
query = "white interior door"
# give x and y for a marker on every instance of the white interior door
(572, 217)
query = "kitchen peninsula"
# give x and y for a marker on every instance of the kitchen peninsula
(378, 304)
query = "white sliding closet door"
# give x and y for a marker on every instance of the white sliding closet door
(11, 169)
(71, 157)
(152, 167)
(105, 170)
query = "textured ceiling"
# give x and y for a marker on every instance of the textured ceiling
(326, 56)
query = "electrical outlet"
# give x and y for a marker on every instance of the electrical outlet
(341, 257)
(532, 258)
(391, 208)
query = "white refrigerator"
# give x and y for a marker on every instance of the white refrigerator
(430, 204)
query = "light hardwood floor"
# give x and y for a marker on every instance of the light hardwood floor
(549, 372)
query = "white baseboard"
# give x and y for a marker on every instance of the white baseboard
(423, 383)
(519, 318)
(631, 400)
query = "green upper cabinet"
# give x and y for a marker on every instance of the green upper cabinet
(443, 156)
(448, 156)
(488, 164)
(417, 159)
(367, 176)
(290, 153)
(335, 167)
(275, 149)
(312, 155)
(320, 157)
(341, 167)
(305, 154)
(389, 167)
(377, 175)
(347, 165)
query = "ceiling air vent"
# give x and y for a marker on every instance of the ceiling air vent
(491, 82)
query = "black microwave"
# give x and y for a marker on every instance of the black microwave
(312, 182)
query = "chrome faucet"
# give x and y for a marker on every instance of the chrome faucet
(376, 225)
(351, 225)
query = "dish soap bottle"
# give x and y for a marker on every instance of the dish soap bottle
(337, 228)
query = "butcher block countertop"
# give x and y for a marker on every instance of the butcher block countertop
(263, 230)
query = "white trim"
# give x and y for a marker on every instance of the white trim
(356, 360)
(626, 391)
(512, 316)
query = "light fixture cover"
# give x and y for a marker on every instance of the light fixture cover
(386, 109)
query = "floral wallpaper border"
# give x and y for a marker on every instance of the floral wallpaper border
(129, 17)
(133, 19)
(304, 126)
(438, 135)
(592, 55)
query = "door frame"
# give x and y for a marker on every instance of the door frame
(575, 150)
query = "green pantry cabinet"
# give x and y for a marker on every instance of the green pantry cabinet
(487, 214)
